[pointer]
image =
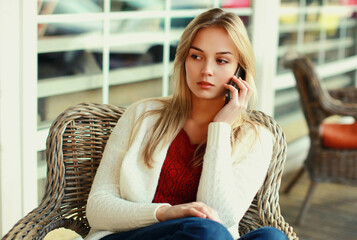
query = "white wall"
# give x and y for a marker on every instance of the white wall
(18, 169)
(10, 127)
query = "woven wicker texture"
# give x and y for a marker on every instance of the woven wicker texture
(74, 148)
(323, 164)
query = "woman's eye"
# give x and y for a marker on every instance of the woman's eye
(194, 56)
(222, 61)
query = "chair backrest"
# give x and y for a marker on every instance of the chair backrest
(313, 95)
(265, 208)
(74, 148)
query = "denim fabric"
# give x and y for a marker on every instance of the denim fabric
(193, 228)
(265, 233)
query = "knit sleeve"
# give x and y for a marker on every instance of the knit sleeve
(106, 210)
(229, 181)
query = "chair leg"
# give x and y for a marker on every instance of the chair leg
(307, 202)
(294, 180)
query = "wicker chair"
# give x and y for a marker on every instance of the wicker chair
(74, 149)
(324, 164)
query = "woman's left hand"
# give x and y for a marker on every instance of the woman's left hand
(237, 104)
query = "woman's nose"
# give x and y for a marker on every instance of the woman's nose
(207, 69)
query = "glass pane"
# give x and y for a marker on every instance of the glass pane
(197, 4)
(247, 22)
(136, 42)
(45, 7)
(314, 2)
(289, 2)
(137, 25)
(77, 29)
(65, 79)
(55, 38)
(311, 37)
(50, 107)
(135, 72)
(125, 94)
(139, 62)
(41, 173)
(340, 81)
(289, 115)
(180, 24)
(131, 81)
(235, 3)
(143, 55)
(67, 64)
(351, 29)
(334, 2)
(287, 38)
(312, 46)
(136, 5)
(173, 47)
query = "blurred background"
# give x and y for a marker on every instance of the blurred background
(57, 53)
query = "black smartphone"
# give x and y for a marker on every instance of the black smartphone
(239, 73)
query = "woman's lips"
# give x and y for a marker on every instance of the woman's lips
(205, 85)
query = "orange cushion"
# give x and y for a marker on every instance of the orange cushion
(342, 136)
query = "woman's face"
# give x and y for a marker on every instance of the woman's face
(211, 62)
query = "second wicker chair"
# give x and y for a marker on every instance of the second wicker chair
(323, 163)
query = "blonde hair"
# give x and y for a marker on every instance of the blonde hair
(176, 109)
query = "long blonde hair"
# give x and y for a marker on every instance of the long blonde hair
(176, 109)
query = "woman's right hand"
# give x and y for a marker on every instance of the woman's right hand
(193, 209)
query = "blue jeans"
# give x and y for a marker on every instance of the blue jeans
(193, 228)
(265, 233)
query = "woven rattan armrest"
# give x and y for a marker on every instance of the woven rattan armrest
(347, 94)
(337, 107)
(41, 221)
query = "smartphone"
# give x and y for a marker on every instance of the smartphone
(239, 73)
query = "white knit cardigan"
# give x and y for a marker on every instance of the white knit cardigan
(124, 187)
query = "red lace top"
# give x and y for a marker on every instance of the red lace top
(178, 181)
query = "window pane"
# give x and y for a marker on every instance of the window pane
(50, 107)
(45, 7)
(136, 72)
(136, 5)
(55, 38)
(69, 67)
(146, 25)
(289, 115)
(235, 3)
(198, 4)
(125, 94)
(80, 30)
(65, 79)
(289, 2)
(136, 42)
(179, 25)
(71, 63)
(41, 173)
(351, 29)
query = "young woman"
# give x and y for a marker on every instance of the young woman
(187, 166)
